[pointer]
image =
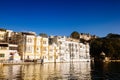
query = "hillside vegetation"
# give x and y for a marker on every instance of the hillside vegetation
(110, 45)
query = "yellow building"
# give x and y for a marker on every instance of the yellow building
(34, 47)
(41, 48)
(28, 43)
(44, 49)
(37, 47)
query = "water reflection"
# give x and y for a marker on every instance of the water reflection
(105, 71)
(47, 71)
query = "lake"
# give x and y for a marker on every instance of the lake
(62, 71)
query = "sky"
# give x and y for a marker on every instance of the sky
(61, 17)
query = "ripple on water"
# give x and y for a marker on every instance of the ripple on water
(61, 71)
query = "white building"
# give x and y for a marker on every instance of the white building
(8, 51)
(71, 49)
(53, 54)
(4, 51)
(13, 52)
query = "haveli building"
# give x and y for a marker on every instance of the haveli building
(87, 36)
(8, 47)
(29, 46)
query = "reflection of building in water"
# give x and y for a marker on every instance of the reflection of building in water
(10, 72)
(82, 71)
(72, 72)
(48, 71)
(40, 72)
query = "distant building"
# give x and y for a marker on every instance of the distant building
(87, 36)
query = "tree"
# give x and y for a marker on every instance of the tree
(82, 40)
(107, 47)
(43, 35)
(111, 35)
(75, 35)
(109, 44)
(95, 47)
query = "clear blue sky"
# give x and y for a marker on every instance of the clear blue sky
(61, 17)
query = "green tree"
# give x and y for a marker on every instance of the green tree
(95, 47)
(110, 45)
(75, 35)
(43, 35)
(111, 35)
(107, 47)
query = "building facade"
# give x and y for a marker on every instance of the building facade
(8, 47)
(87, 36)
(53, 53)
(29, 46)
(4, 51)
(33, 47)
(71, 49)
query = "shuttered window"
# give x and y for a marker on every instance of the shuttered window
(2, 55)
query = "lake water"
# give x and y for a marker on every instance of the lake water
(62, 71)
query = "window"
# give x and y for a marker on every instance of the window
(13, 48)
(72, 49)
(2, 55)
(29, 48)
(44, 42)
(60, 42)
(72, 45)
(76, 45)
(69, 45)
(51, 57)
(80, 46)
(51, 50)
(37, 48)
(76, 50)
(29, 40)
(44, 48)
(2, 36)
(38, 42)
(3, 48)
